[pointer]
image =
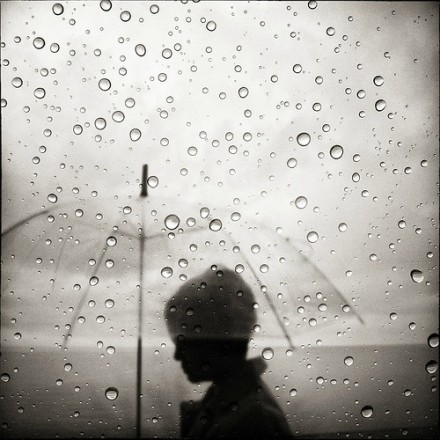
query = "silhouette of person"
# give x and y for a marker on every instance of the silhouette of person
(210, 319)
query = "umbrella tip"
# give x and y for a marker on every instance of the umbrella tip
(144, 192)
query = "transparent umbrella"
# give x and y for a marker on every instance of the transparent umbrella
(101, 273)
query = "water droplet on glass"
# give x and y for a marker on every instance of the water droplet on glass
(303, 139)
(39, 43)
(111, 241)
(401, 224)
(77, 129)
(312, 237)
(255, 248)
(57, 9)
(17, 335)
(183, 262)
(111, 393)
(235, 216)
(67, 367)
(125, 16)
(348, 361)
(100, 319)
(293, 392)
(336, 152)
(301, 202)
(52, 198)
(172, 221)
(215, 225)
(106, 5)
(417, 276)
(118, 116)
(267, 353)
(297, 68)
(152, 181)
(5, 377)
(166, 272)
(378, 80)
(211, 26)
(39, 93)
(110, 349)
(17, 82)
(243, 92)
(380, 105)
(239, 268)
(104, 84)
(367, 411)
(135, 134)
(431, 367)
(204, 212)
(342, 227)
(94, 281)
(330, 31)
(292, 162)
(264, 268)
(312, 4)
(140, 50)
(109, 263)
(433, 340)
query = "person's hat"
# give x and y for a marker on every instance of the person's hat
(218, 305)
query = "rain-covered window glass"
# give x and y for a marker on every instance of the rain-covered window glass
(219, 219)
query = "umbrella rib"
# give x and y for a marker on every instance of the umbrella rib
(83, 298)
(274, 311)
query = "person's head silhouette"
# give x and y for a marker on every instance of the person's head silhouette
(210, 319)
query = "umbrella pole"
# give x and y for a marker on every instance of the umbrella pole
(140, 323)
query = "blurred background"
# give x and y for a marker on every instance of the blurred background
(294, 142)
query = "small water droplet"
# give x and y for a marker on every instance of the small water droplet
(39, 43)
(166, 272)
(110, 349)
(109, 263)
(264, 268)
(57, 9)
(417, 276)
(292, 162)
(118, 116)
(111, 241)
(79, 212)
(111, 393)
(380, 105)
(330, 31)
(301, 202)
(255, 248)
(211, 26)
(215, 225)
(433, 340)
(135, 134)
(378, 80)
(303, 139)
(39, 93)
(17, 82)
(100, 319)
(106, 5)
(243, 92)
(431, 367)
(94, 281)
(293, 392)
(125, 16)
(140, 50)
(52, 198)
(348, 361)
(104, 84)
(336, 152)
(297, 68)
(367, 411)
(267, 353)
(312, 237)
(127, 210)
(172, 221)
(5, 377)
